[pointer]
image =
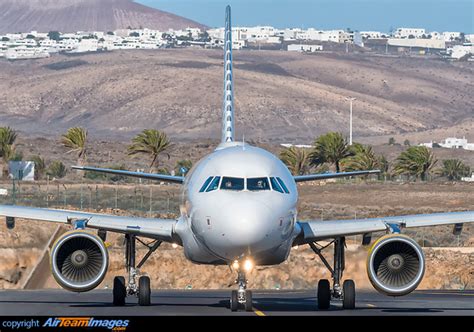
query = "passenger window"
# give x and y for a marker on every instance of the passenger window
(254, 184)
(204, 186)
(229, 183)
(275, 185)
(282, 184)
(214, 184)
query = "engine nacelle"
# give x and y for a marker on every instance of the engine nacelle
(395, 265)
(79, 261)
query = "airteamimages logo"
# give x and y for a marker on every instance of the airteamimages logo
(74, 322)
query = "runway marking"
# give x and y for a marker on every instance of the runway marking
(258, 312)
(455, 294)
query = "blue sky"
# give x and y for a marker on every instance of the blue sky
(381, 15)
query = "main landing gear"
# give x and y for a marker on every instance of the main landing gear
(242, 297)
(347, 291)
(141, 289)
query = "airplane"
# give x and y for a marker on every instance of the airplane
(239, 208)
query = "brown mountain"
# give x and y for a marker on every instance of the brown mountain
(280, 96)
(84, 15)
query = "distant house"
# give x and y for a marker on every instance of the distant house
(304, 48)
(452, 143)
(22, 170)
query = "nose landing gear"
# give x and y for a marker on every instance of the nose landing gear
(241, 296)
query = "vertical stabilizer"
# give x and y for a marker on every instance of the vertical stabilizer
(228, 102)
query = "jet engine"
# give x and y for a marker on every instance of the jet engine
(79, 261)
(395, 265)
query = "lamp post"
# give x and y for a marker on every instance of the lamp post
(350, 119)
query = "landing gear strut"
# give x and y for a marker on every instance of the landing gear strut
(241, 296)
(347, 291)
(141, 289)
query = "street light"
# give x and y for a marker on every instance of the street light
(350, 120)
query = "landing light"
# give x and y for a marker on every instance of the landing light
(235, 265)
(248, 265)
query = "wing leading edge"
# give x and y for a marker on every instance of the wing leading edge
(162, 229)
(150, 176)
(313, 230)
(323, 176)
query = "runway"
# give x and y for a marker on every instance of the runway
(215, 302)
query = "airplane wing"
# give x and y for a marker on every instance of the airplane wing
(322, 176)
(313, 230)
(142, 175)
(161, 229)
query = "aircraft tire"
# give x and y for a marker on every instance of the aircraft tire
(144, 292)
(324, 294)
(119, 291)
(248, 301)
(348, 289)
(234, 301)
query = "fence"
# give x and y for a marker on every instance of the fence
(142, 199)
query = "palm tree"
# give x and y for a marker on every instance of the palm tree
(454, 169)
(7, 146)
(416, 160)
(57, 169)
(331, 148)
(363, 159)
(297, 160)
(181, 165)
(40, 166)
(75, 140)
(151, 142)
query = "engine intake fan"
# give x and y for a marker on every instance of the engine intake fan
(395, 265)
(79, 261)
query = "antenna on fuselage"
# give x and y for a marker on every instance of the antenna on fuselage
(228, 102)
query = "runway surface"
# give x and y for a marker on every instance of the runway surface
(215, 302)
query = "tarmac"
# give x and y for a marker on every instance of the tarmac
(216, 302)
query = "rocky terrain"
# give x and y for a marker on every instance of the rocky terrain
(84, 15)
(280, 96)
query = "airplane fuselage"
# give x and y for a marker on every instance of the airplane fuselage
(238, 202)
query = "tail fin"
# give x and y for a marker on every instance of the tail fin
(228, 102)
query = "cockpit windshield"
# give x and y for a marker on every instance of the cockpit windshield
(204, 186)
(229, 183)
(238, 184)
(214, 184)
(255, 184)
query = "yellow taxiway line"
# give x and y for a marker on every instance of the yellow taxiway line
(258, 312)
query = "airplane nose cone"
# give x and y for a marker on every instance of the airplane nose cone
(245, 227)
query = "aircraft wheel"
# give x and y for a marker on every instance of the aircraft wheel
(144, 292)
(348, 291)
(234, 301)
(119, 291)
(324, 294)
(248, 301)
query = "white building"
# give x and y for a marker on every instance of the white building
(304, 48)
(469, 38)
(417, 42)
(86, 45)
(335, 36)
(25, 52)
(459, 51)
(371, 34)
(409, 33)
(22, 170)
(451, 36)
(457, 143)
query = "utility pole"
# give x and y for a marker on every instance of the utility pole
(350, 119)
